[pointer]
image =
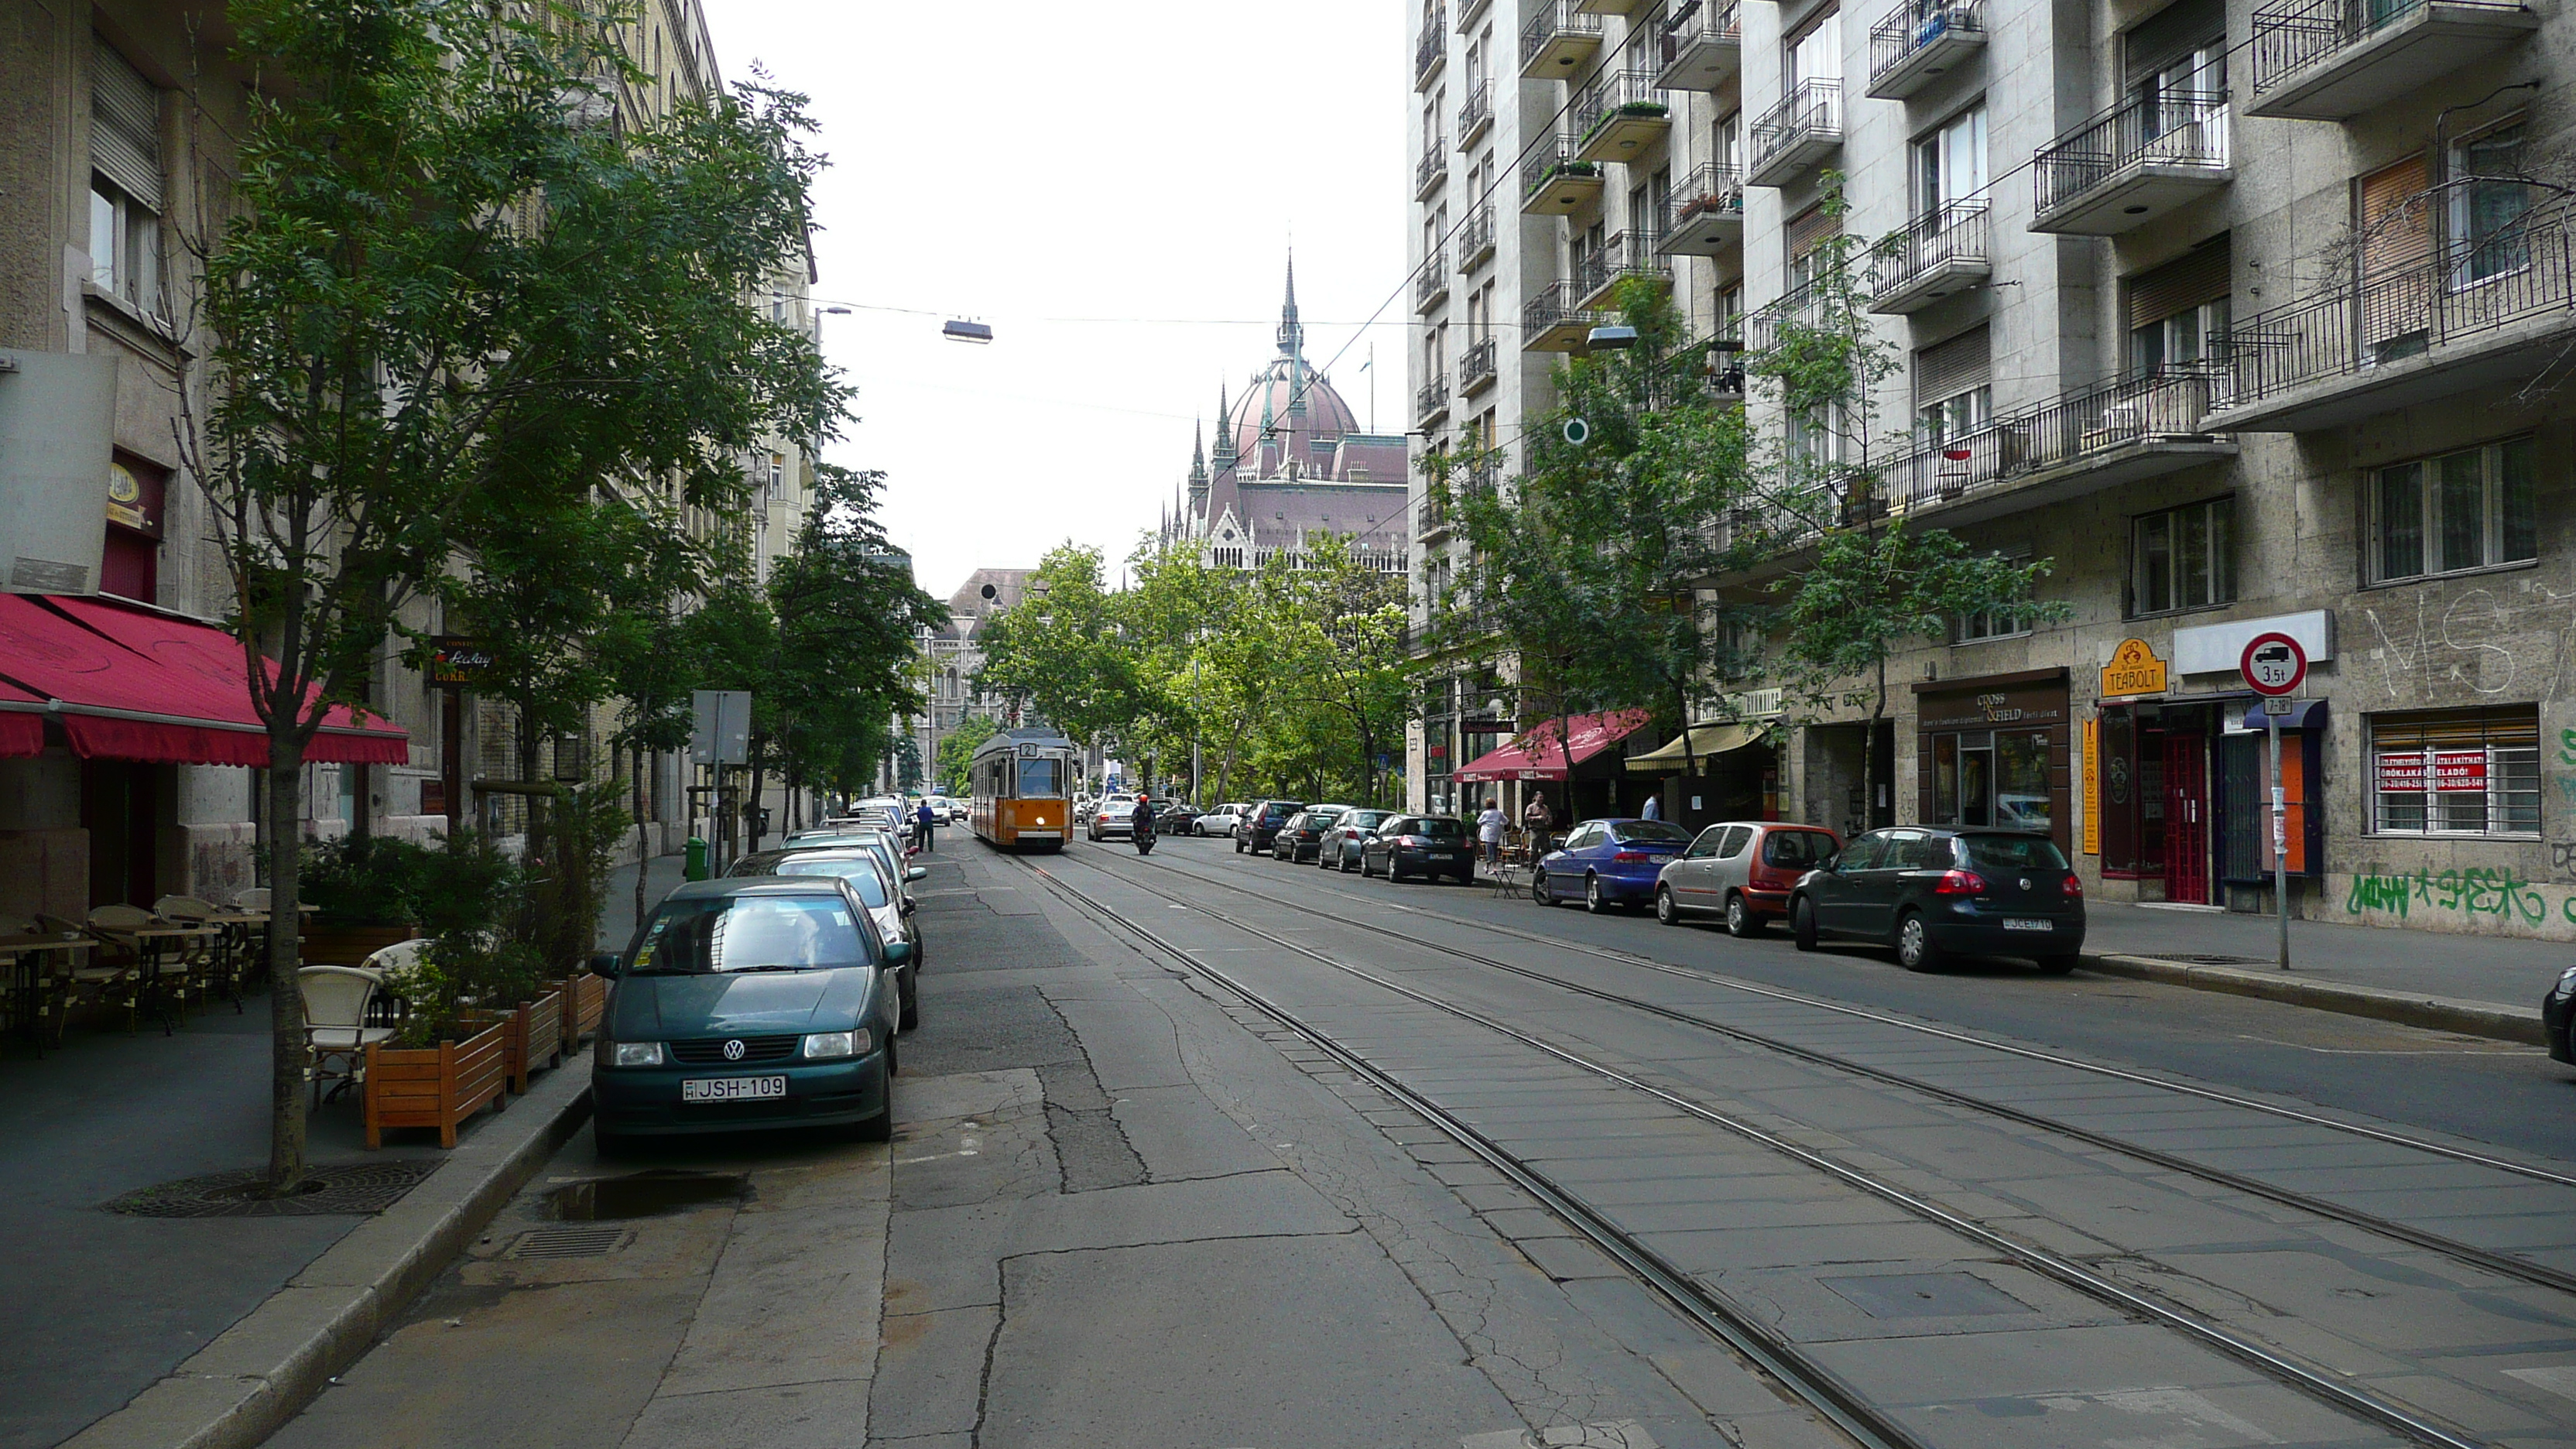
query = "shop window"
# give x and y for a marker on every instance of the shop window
(2461, 511)
(2185, 558)
(2456, 772)
(1993, 778)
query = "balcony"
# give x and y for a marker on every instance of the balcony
(1431, 47)
(1557, 41)
(1478, 367)
(1557, 183)
(1476, 114)
(1607, 7)
(2079, 443)
(2332, 60)
(1550, 322)
(1625, 254)
(1431, 282)
(1468, 13)
(2133, 163)
(2474, 318)
(1793, 137)
(1940, 254)
(1702, 48)
(1431, 403)
(1802, 307)
(1707, 214)
(1476, 239)
(1619, 116)
(1921, 42)
(1432, 170)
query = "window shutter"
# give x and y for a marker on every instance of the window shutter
(1811, 229)
(2170, 34)
(2456, 729)
(124, 125)
(2203, 274)
(2395, 216)
(1947, 369)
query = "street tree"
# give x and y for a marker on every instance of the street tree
(957, 752)
(438, 257)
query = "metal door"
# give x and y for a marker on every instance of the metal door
(2187, 818)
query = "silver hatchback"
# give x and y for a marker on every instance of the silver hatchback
(1741, 869)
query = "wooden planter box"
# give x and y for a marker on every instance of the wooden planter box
(585, 1001)
(436, 1086)
(350, 945)
(531, 1036)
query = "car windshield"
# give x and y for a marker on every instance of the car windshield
(1651, 832)
(1366, 819)
(1440, 828)
(724, 934)
(863, 874)
(1796, 847)
(2011, 852)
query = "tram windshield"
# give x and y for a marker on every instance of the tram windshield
(1040, 777)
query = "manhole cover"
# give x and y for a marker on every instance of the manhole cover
(340, 1187)
(552, 1243)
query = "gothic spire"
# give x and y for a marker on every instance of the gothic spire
(1198, 453)
(1292, 335)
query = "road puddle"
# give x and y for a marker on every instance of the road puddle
(644, 1194)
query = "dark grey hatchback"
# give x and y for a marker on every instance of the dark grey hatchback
(1932, 892)
(750, 1002)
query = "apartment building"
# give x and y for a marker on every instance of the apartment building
(2250, 318)
(1563, 147)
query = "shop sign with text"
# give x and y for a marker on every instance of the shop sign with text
(2134, 669)
(458, 663)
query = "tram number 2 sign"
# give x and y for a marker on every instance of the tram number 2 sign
(2273, 664)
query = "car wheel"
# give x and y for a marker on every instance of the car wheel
(1740, 920)
(1538, 888)
(2059, 965)
(909, 1017)
(1915, 950)
(879, 1128)
(1665, 910)
(1802, 922)
(1593, 900)
(1238, 845)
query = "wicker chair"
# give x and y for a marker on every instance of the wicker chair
(171, 977)
(336, 1034)
(107, 977)
(219, 957)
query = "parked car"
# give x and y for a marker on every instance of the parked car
(750, 1002)
(1115, 819)
(890, 907)
(1607, 862)
(2558, 1017)
(1742, 869)
(1175, 818)
(1302, 837)
(1223, 820)
(1261, 824)
(1340, 849)
(1933, 891)
(1431, 845)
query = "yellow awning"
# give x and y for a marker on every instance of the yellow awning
(1705, 741)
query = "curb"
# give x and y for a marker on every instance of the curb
(262, 1371)
(2438, 1013)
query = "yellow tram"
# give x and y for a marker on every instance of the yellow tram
(1023, 798)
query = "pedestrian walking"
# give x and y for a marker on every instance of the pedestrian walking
(1489, 832)
(1654, 807)
(925, 824)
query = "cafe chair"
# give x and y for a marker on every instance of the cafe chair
(254, 898)
(109, 976)
(169, 972)
(396, 967)
(336, 1034)
(218, 955)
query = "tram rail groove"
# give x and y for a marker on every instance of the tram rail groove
(2068, 1273)
(2539, 1275)
(1816, 1386)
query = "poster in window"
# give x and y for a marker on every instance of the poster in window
(2464, 770)
(2402, 773)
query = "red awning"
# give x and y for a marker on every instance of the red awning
(1540, 753)
(130, 684)
(21, 731)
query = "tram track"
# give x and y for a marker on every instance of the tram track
(1775, 1352)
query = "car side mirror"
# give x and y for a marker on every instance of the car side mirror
(916, 872)
(604, 963)
(897, 952)
(1831, 862)
(909, 906)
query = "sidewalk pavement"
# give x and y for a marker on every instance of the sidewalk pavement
(617, 922)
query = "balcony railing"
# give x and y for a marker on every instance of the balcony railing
(1431, 403)
(1706, 214)
(1431, 47)
(1802, 306)
(1551, 322)
(1476, 113)
(1556, 181)
(2462, 310)
(1921, 40)
(1937, 254)
(1618, 115)
(1476, 238)
(1478, 366)
(2066, 432)
(2139, 159)
(1623, 255)
(1701, 46)
(1556, 40)
(1432, 169)
(1431, 283)
(2331, 60)
(1798, 132)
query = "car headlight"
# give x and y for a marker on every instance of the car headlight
(825, 1045)
(2567, 982)
(639, 1054)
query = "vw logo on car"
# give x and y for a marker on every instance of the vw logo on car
(733, 1050)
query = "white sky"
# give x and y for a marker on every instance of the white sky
(1018, 162)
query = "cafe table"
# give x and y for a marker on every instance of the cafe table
(153, 946)
(26, 957)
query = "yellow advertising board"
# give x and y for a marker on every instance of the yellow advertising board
(2134, 669)
(2092, 787)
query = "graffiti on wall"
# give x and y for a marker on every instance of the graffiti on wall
(2487, 641)
(2430, 895)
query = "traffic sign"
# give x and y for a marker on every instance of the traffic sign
(2273, 664)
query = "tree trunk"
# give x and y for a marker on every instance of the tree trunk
(759, 756)
(285, 949)
(643, 831)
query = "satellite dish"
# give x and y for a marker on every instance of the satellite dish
(1577, 431)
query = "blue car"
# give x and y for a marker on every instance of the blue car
(746, 1003)
(1607, 862)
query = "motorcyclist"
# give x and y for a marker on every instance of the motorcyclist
(1141, 824)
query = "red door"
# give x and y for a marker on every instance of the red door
(2187, 818)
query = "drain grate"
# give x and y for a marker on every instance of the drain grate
(343, 1187)
(554, 1243)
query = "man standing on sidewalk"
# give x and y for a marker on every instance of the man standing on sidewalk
(925, 824)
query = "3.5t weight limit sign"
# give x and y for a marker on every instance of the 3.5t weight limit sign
(2273, 664)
